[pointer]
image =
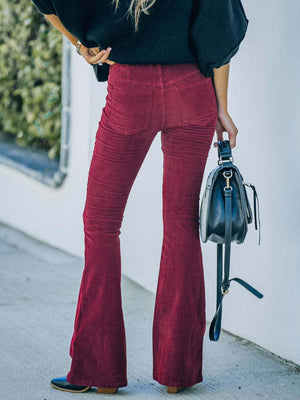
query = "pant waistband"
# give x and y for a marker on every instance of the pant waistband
(154, 74)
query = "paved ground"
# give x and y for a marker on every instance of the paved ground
(38, 292)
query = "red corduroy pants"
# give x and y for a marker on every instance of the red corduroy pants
(142, 100)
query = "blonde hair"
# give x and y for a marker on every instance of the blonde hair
(135, 9)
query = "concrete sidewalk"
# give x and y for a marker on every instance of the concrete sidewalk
(38, 294)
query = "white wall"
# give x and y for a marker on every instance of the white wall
(264, 102)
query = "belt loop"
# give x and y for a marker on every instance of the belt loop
(160, 74)
(127, 72)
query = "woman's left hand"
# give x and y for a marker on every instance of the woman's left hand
(225, 124)
(90, 55)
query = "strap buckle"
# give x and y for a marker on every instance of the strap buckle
(222, 161)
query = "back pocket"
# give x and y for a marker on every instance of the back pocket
(129, 109)
(198, 103)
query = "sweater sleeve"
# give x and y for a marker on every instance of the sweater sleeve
(216, 32)
(44, 6)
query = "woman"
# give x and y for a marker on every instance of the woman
(167, 66)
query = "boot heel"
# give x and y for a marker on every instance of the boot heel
(174, 389)
(107, 390)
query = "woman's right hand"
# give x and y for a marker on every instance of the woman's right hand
(226, 124)
(93, 55)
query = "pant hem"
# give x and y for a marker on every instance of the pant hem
(168, 382)
(95, 383)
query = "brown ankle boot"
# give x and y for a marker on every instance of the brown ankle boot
(174, 389)
(107, 390)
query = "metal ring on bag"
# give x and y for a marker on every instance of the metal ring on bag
(224, 173)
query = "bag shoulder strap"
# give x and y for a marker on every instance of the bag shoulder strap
(224, 284)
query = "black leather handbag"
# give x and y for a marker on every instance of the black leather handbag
(224, 216)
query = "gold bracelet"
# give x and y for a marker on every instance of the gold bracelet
(78, 45)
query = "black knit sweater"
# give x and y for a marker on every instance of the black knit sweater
(206, 32)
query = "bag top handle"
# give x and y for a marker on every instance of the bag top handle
(224, 151)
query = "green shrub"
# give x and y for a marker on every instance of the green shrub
(30, 77)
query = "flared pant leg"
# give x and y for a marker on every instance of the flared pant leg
(179, 318)
(98, 345)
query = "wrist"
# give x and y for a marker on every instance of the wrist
(222, 111)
